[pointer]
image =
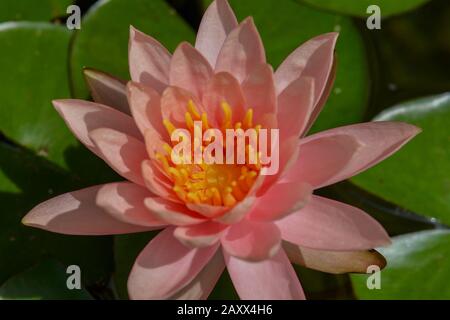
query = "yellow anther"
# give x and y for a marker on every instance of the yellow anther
(227, 113)
(216, 198)
(180, 192)
(176, 175)
(238, 125)
(248, 119)
(193, 197)
(168, 149)
(229, 200)
(164, 162)
(192, 108)
(205, 121)
(189, 120)
(169, 126)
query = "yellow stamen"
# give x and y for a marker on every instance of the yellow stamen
(192, 108)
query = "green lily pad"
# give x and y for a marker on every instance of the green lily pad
(418, 268)
(34, 60)
(285, 24)
(417, 177)
(25, 181)
(102, 42)
(46, 281)
(16, 10)
(359, 7)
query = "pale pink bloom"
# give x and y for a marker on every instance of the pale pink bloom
(222, 216)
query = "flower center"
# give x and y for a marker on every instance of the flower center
(212, 183)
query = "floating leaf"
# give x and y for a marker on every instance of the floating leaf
(417, 177)
(418, 268)
(359, 7)
(34, 60)
(16, 10)
(25, 181)
(102, 42)
(46, 281)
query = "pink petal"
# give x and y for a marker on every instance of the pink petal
(280, 200)
(145, 105)
(174, 105)
(223, 87)
(323, 99)
(149, 61)
(335, 262)
(259, 91)
(321, 159)
(189, 70)
(165, 266)
(252, 240)
(207, 210)
(312, 59)
(107, 90)
(202, 285)
(326, 224)
(242, 51)
(121, 152)
(82, 117)
(240, 210)
(373, 142)
(271, 279)
(288, 154)
(172, 213)
(157, 182)
(217, 22)
(76, 213)
(295, 104)
(200, 235)
(125, 202)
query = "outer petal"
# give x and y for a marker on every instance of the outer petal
(242, 51)
(165, 266)
(295, 105)
(321, 159)
(76, 213)
(122, 152)
(323, 99)
(203, 284)
(125, 202)
(336, 262)
(83, 117)
(326, 224)
(189, 70)
(200, 235)
(149, 61)
(107, 90)
(172, 213)
(217, 22)
(145, 105)
(312, 59)
(280, 200)
(271, 279)
(259, 91)
(252, 240)
(376, 140)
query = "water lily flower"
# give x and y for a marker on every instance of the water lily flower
(217, 216)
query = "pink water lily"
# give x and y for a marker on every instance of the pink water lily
(217, 216)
